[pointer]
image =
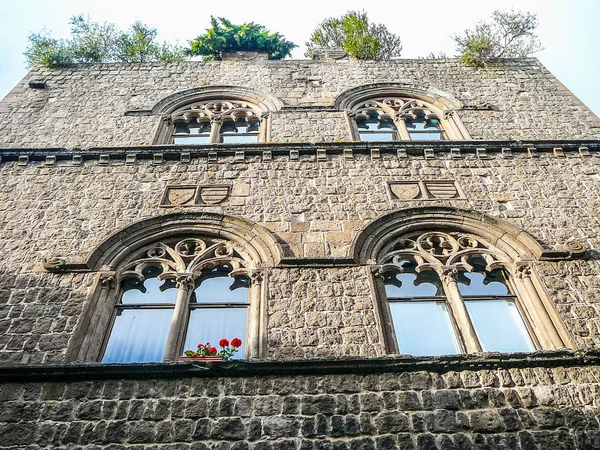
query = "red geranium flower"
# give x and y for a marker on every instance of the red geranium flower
(200, 345)
(236, 342)
(223, 342)
(213, 350)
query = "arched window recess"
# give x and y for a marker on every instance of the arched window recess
(222, 121)
(396, 111)
(215, 114)
(396, 118)
(450, 292)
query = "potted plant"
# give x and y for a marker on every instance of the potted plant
(224, 38)
(207, 352)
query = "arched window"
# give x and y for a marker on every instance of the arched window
(175, 294)
(212, 122)
(399, 112)
(454, 292)
(397, 118)
(213, 115)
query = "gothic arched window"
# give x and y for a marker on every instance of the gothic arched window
(394, 118)
(453, 292)
(222, 121)
(175, 294)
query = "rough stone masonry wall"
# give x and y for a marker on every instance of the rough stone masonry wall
(528, 409)
(315, 208)
(85, 106)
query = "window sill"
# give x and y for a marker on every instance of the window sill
(323, 366)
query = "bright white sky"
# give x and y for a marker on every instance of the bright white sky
(568, 29)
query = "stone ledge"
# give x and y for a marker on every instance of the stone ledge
(173, 152)
(391, 364)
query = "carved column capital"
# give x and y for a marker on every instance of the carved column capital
(216, 120)
(108, 281)
(523, 269)
(448, 274)
(264, 115)
(185, 282)
(257, 276)
(377, 271)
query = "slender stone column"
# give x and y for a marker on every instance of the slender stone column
(215, 129)
(185, 284)
(544, 330)
(400, 121)
(254, 314)
(448, 276)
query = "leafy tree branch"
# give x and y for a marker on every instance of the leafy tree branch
(354, 34)
(506, 35)
(92, 42)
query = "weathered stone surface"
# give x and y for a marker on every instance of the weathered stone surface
(319, 302)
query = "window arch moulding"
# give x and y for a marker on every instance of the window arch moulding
(169, 270)
(215, 114)
(394, 111)
(450, 265)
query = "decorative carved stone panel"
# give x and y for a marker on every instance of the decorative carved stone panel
(179, 196)
(406, 190)
(189, 195)
(425, 190)
(213, 194)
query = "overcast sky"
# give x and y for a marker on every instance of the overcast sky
(568, 29)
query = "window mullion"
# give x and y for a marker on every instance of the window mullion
(459, 310)
(215, 129)
(185, 287)
(402, 130)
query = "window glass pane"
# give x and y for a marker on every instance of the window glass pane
(409, 283)
(216, 286)
(239, 139)
(191, 140)
(423, 328)
(181, 128)
(138, 335)
(415, 125)
(499, 326)
(213, 324)
(426, 136)
(482, 283)
(375, 137)
(433, 123)
(151, 290)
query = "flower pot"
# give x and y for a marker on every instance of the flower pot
(201, 358)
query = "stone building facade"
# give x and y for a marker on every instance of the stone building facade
(319, 187)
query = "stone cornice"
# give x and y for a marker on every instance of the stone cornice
(392, 364)
(443, 149)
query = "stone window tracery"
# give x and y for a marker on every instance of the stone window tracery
(218, 121)
(177, 293)
(453, 292)
(393, 118)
